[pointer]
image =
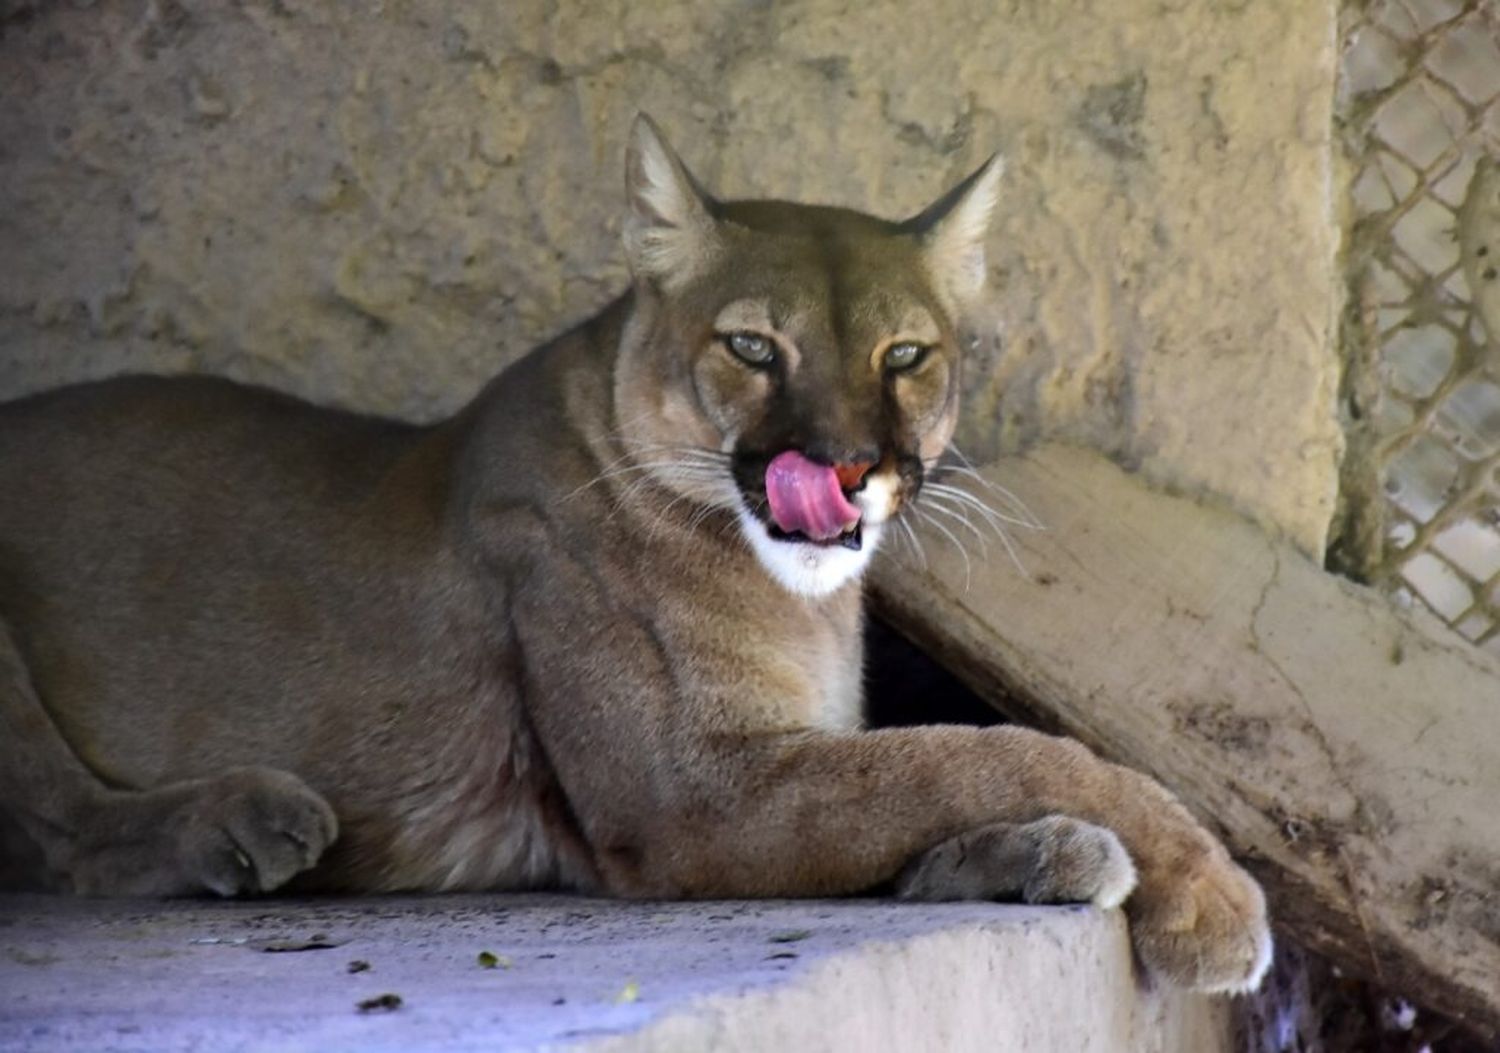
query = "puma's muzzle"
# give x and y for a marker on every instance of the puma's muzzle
(797, 498)
(808, 498)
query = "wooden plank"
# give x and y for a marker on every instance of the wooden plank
(1348, 751)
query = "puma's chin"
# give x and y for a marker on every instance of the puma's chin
(809, 568)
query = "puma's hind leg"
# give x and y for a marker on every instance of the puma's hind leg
(246, 830)
(1055, 859)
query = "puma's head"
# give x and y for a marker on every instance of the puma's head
(796, 365)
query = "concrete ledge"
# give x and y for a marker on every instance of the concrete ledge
(585, 974)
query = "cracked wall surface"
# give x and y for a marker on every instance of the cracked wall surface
(379, 205)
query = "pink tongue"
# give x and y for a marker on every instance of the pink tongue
(807, 497)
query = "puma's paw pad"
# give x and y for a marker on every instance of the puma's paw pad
(253, 829)
(1056, 859)
(1078, 862)
(1205, 929)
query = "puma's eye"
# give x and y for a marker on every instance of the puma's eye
(903, 356)
(751, 348)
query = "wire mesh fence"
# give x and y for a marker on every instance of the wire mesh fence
(1420, 114)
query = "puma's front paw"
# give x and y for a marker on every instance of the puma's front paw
(249, 830)
(1056, 859)
(254, 831)
(1203, 927)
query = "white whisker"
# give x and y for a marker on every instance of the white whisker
(935, 504)
(951, 536)
(967, 469)
(938, 495)
(970, 500)
(1015, 557)
(910, 536)
(683, 459)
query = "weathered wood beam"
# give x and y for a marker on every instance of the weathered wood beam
(1348, 751)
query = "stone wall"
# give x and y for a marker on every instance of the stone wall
(380, 204)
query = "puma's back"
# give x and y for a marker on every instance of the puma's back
(200, 574)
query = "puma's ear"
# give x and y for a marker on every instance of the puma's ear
(669, 226)
(953, 231)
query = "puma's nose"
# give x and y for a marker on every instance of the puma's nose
(850, 461)
(852, 476)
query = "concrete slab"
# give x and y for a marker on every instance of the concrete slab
(578, 973)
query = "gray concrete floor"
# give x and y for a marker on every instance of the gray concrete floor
(276, 974)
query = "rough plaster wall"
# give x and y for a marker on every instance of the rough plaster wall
(380, 204)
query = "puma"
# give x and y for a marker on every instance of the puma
(599, 631)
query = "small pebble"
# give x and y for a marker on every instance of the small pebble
(381, 1004)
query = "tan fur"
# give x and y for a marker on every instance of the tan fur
(243, 638)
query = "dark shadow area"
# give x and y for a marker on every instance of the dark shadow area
(904, 687)
(1309, 1005)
